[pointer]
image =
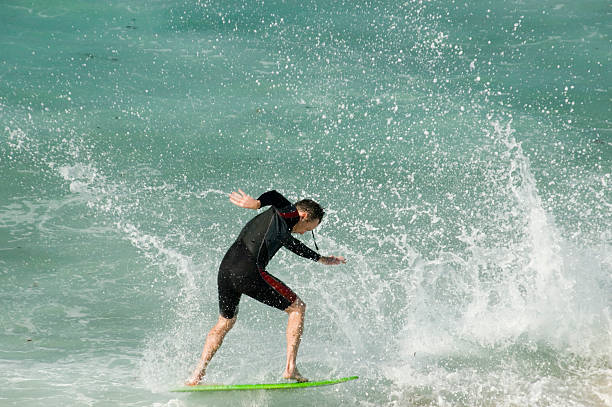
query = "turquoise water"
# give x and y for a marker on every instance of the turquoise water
(463, 152)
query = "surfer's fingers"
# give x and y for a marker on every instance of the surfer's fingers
(244, 201)
(337, 260)
(238, 195)
(237, 200)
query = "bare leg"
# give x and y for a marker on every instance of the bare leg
(213, 342)
(295, 327)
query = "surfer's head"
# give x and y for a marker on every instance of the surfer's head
(313, 210)
(310, 213)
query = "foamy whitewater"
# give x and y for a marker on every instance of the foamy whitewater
(462, 150)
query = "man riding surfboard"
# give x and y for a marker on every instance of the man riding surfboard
(242, 271)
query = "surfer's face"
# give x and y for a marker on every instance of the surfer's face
(304, 224)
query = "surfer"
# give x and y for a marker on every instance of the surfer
(242, 271)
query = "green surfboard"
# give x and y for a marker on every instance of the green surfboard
(268, 386)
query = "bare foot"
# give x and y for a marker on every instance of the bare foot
(193, 381)
(294, 376)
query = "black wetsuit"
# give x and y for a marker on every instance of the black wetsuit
(242, 270)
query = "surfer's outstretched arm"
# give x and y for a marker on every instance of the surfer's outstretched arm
(244, 200)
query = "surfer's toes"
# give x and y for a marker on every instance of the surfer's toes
(295, 376)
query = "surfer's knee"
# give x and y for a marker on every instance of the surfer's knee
(223, 325)
(298, 306)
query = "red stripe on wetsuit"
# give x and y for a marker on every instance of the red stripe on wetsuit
(281, 288)
(288, 215)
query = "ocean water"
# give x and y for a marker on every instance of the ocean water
(463, 151)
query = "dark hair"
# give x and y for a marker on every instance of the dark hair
(313, 209)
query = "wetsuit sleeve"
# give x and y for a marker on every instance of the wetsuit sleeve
(300, 248)
(273, 198)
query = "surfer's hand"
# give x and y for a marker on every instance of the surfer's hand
(332, 260)
(243, 200)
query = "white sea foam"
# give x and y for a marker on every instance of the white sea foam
(518, 298)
